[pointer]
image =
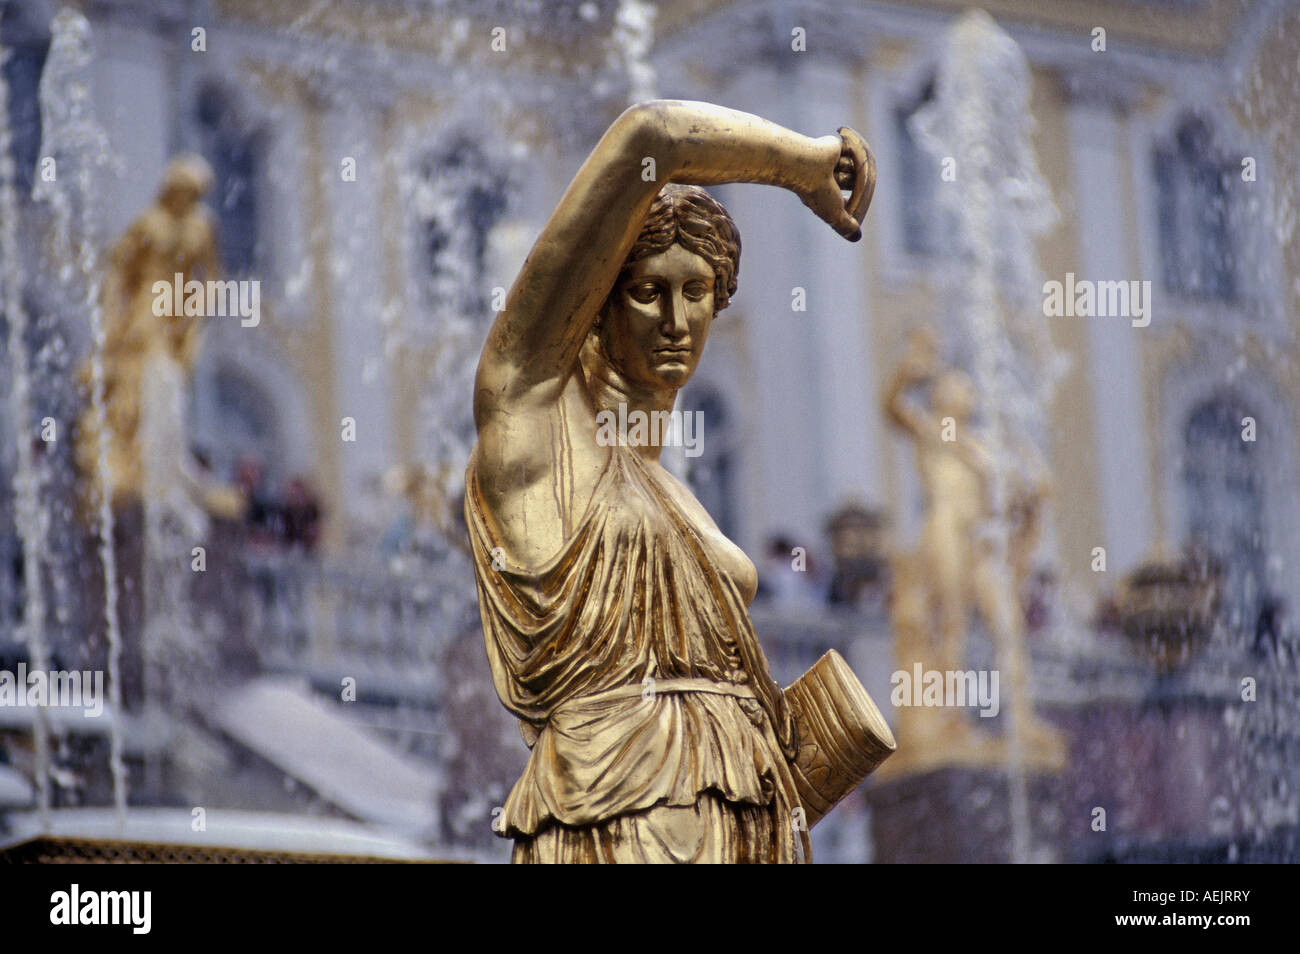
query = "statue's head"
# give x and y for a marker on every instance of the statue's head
(187, 179)
(680, 273)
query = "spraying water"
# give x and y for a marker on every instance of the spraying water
(73, 138)
(633, 39)
(178, 665)
(980, 121)
(32, 520)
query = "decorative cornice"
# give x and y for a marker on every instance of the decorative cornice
(1100, 84)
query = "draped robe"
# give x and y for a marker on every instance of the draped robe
(657, 732)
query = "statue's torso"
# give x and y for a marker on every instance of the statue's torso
(170, 244)
(543, 499)
(956, 487)
(637, 599)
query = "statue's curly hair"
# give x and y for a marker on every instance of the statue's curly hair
(689, 215)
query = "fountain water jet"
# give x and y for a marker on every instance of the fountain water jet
(31, 522)
(998, 202)
(633, 39)
(72, 137)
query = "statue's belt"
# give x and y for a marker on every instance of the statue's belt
(652, 687)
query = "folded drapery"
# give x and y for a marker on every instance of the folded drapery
(587, 651)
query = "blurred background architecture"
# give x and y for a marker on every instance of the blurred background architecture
(380, 167)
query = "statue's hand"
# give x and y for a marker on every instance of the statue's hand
(921, 361)
(916, 368)
(859, 175)
(854, 170)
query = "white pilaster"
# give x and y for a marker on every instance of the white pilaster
(783, 481)
(836, 321)
(1114, 358)
(356, 270)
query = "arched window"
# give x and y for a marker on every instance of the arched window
(1197, 254)
(235, 153)
(1226, 505)
(918, 178)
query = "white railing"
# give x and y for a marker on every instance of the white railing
(365, 617)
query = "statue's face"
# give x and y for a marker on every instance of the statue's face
(658, 317)
(180, 198)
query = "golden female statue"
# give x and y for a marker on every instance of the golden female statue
(148, 357)
(614, 610)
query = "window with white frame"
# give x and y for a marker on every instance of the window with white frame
(918, 179)
(1198, 253)
(235, 152)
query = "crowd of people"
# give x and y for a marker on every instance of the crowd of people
(289, 516)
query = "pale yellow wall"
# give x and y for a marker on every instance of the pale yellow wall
(1271, 110)
(1073, 450)
(464, 34)
(1200, 28)
(315, 359)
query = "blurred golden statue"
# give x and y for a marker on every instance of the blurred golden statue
(954, 569)
(430, 504)
(148, 358)
(614, 610)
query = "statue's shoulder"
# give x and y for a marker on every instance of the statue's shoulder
(151, 223)
(202, 217)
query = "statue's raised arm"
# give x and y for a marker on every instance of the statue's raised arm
(553, 303)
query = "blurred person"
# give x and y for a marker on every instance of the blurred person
(1271, 634)
(261, 516)
(789, 576)
(859, 552)
(300, 515)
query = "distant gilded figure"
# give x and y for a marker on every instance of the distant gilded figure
(954, 570)
(148, 358)
(614, 610)
(160, 495)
